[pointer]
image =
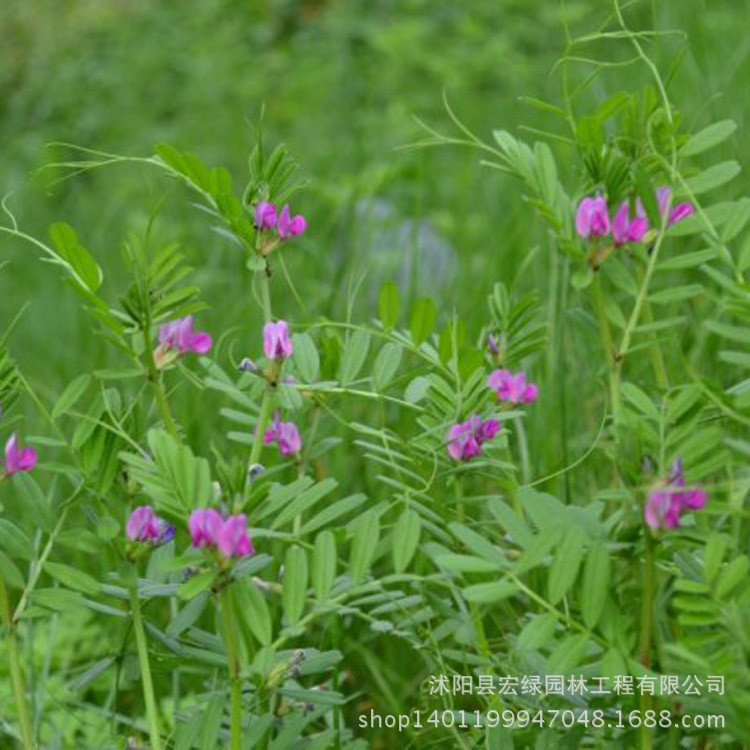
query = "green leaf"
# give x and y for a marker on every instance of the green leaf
(60, 600)
(423, 320)
(294, 586)
(86, 271)
(731, 576)
(713, 177)
(582, 278)
(466, 564)
(388, 304)
(35, 502)
(640, 400)
(386, 365)
(487, 593)
(405, 539)
(595, 587)
(566, 563)
(354, 356)
(14, 541)
(305, 357)
(73, 578)
(254, 610)
(709, 137)
(76, 388)
(195, 585)
(324, 564)
(538, 632)
(364, 543)
(714, 555)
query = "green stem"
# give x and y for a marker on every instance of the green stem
(523, 449)
(608, 342)
(16, 673)
(154, 377)
(235, 676)
(647, 618)
(265, 293)
(657, 361)
(148, 686)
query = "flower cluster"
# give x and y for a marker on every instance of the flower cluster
(465, 439)
(512, 388)
(145, 526)
(229, 535)
(285, 434)
(178, 338)
(592, 217)
(267, 218)
(667, 503)
(17, 458)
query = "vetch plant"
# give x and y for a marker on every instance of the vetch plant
(380, 495)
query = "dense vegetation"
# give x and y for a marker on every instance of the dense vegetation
(442, 399)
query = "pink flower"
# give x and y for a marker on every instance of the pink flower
(512, 388)
(288, 226)
(678, 212)
(145, 526)
(465, 438)
(276, 341)
(18, 459)
(179, 336)
(233, 539)
(667, 503)
(265, 215)
(626, 230)
(205, 525)
(592, 219)
(285, 434)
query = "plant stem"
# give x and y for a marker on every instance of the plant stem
(16, 673)
(233, 663)
(154, 377)
(148, 686)
(523, 449)
(607, 340)
(647, 617)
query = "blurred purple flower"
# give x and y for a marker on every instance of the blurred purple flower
(233, 538)
(265, 215)
(667, 503)
(276, 341)
(18, 459)
(178, 335)
(145, 526)
(592, 219)
(288, 226)
(512, 388)
(285, 434)
(493, 344)
(465, 438)
(205, 525)
(679, 211)
(626, 230)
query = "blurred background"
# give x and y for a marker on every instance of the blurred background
(341, 82)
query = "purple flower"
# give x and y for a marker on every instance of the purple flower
(145, 526)
(285, 434)
(512, 388)
(205, 525)
(626, 230)
(276, 341)
(493, 344)
(179, 336)
(233, 539)
(465, 438)
(678, 212)
(592, 219)
(265, 215)
(18, 459)
(667, 503)
(288, 226)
